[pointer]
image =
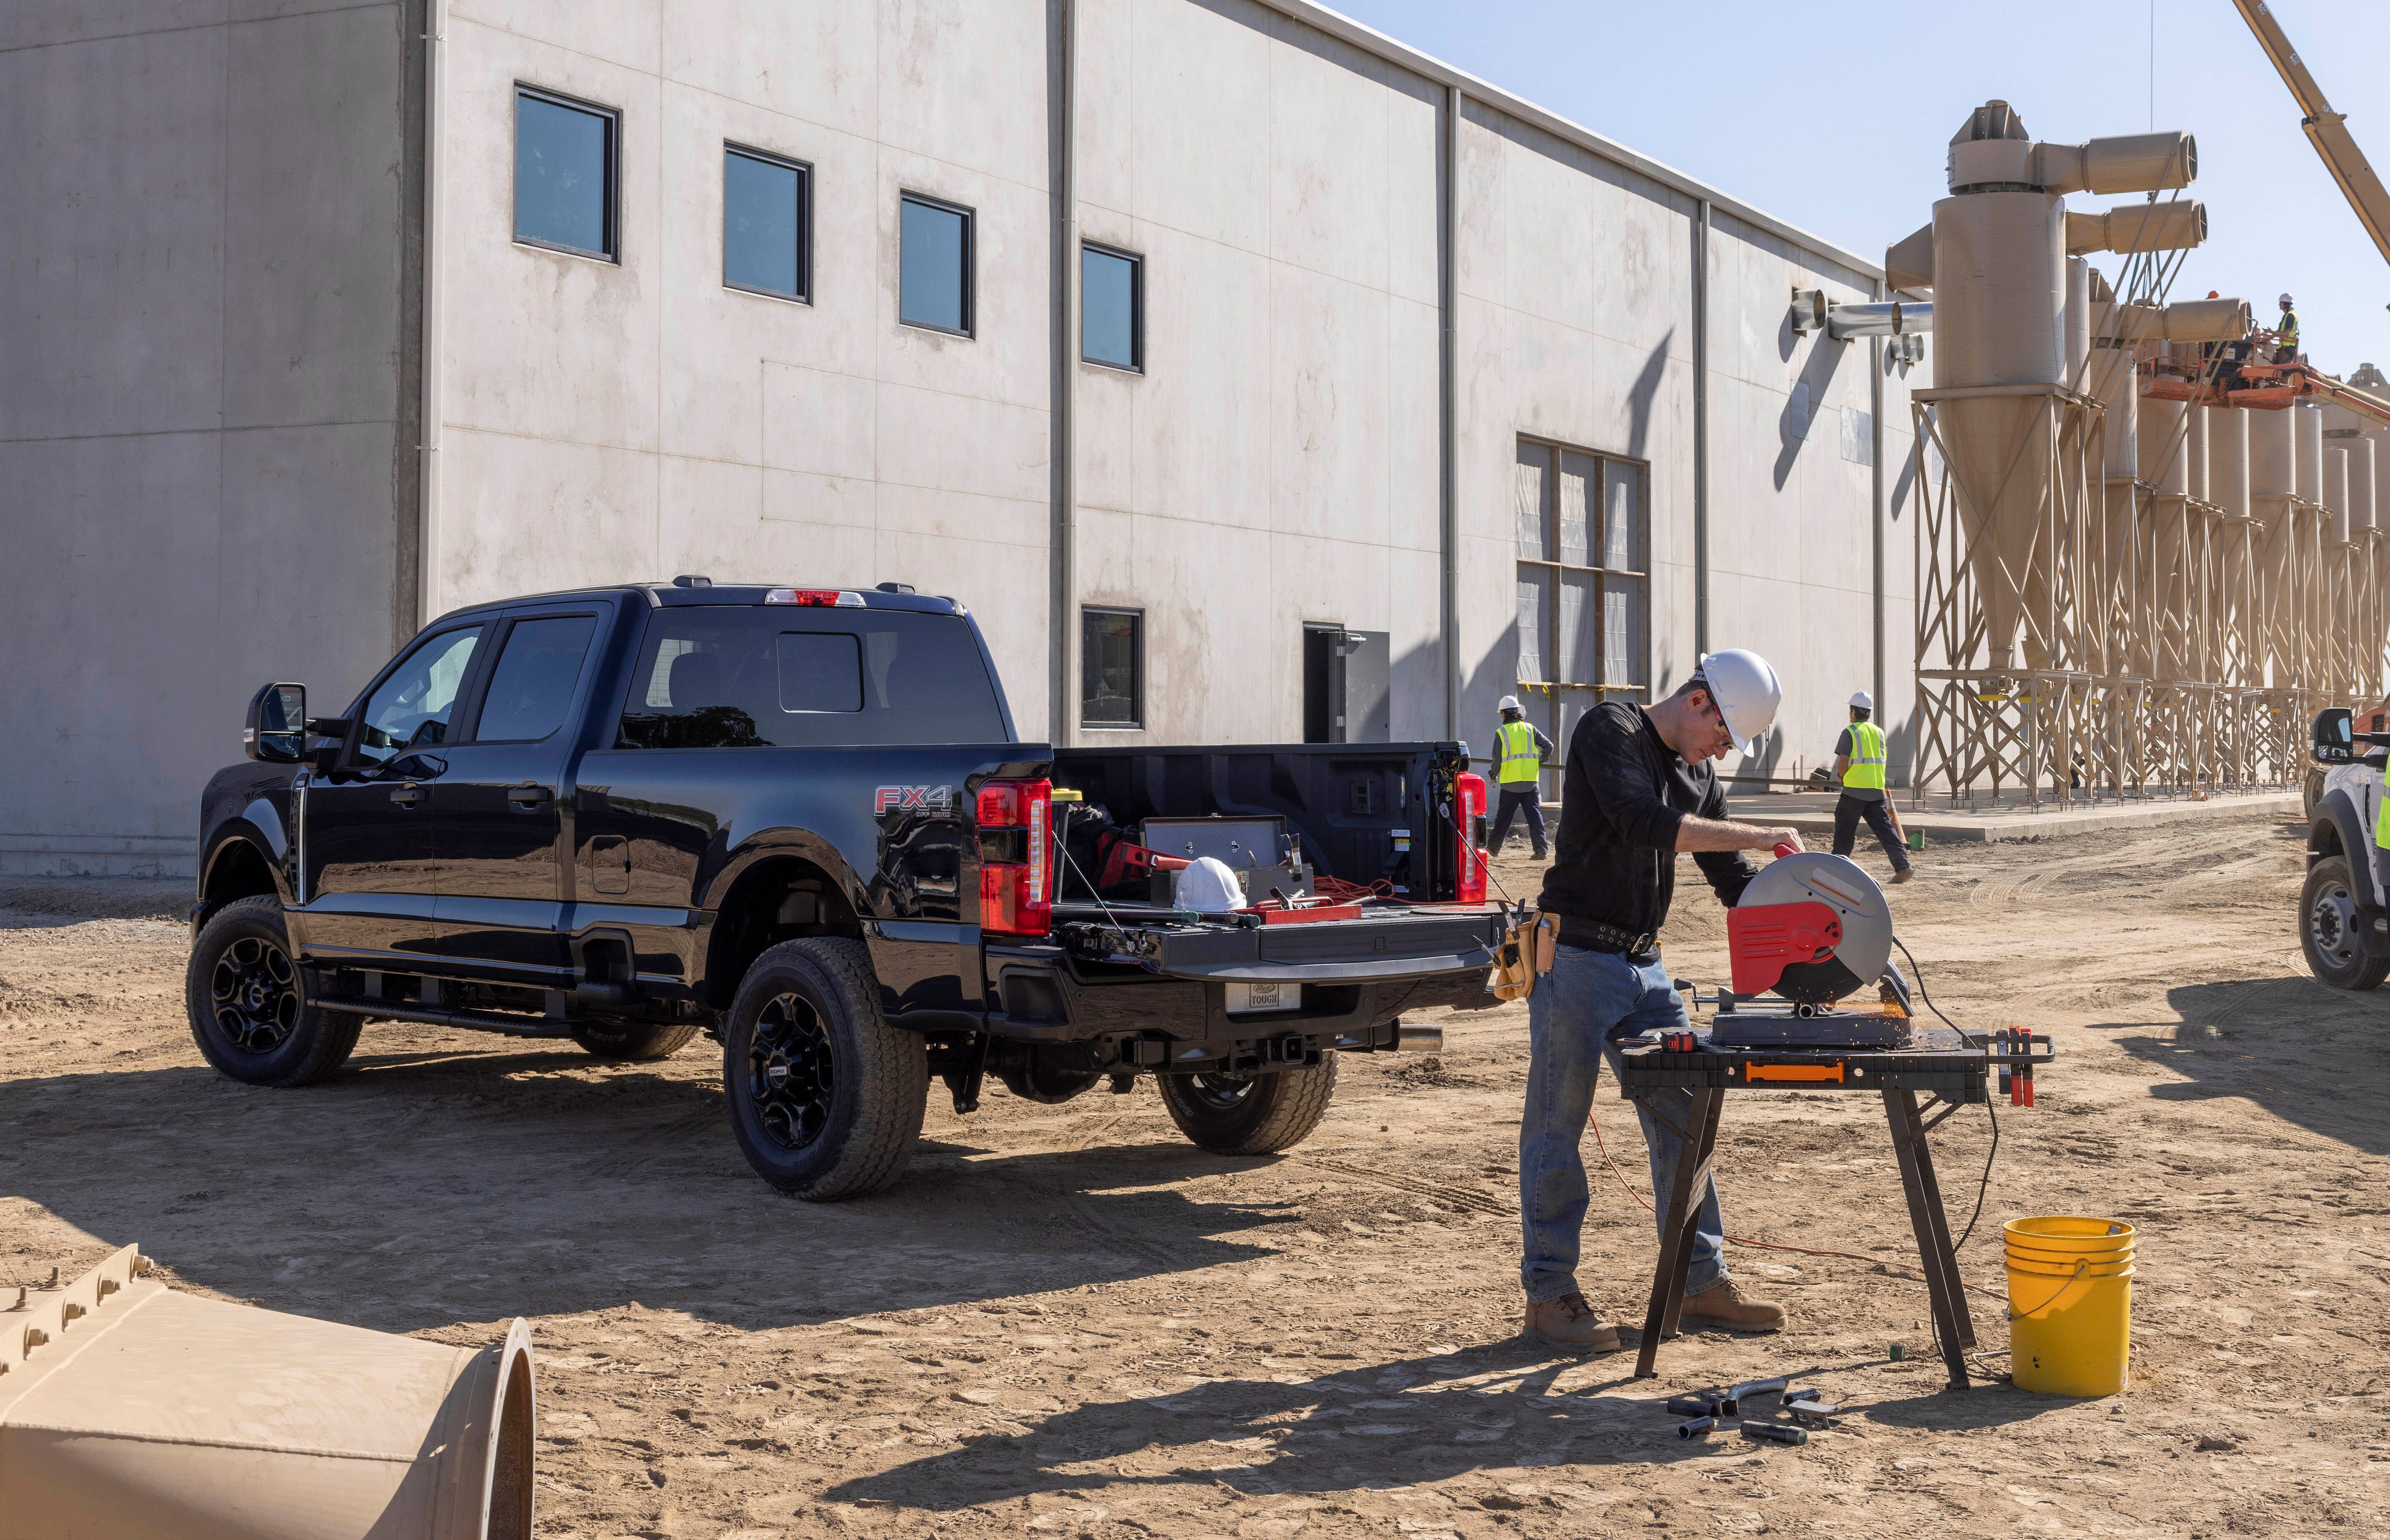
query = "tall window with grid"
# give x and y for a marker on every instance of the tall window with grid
(1583, 584)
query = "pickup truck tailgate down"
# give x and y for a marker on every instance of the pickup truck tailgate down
(1404, 945)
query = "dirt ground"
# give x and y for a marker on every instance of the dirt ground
(1067, 1320)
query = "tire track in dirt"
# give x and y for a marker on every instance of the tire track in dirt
(1458, 1198)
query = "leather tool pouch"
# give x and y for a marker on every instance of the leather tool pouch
(1524, 955)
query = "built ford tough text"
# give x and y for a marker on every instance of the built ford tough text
(798, 820)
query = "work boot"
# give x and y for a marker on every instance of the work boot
(1569, 1322)
(1723, 1304)
(1541, 852)
(1904, 874)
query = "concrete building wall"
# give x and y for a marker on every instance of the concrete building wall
(206, 471)
(625, 421)
(1577, 326)
(1277, 462)
(212, 455)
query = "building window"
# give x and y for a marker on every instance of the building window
(933, 282)
(1583, 581)
(766, 219)
(1112, 308)
(1112, 668)
(567, 155)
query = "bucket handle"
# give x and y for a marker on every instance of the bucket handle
(2080, 1264)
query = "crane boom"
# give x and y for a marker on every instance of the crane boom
(2327, 130)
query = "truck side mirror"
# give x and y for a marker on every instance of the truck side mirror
(277, 730)
(2334, 735)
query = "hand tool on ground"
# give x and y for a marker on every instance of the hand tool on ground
(1775, 1433)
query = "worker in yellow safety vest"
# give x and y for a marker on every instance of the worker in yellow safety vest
(1520, 750)
(2286, 334)
(1858, 764)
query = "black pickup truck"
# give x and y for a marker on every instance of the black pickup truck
(799, 820)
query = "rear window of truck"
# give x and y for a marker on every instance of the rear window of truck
(747, 676)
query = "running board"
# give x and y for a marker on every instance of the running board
(438, 1016)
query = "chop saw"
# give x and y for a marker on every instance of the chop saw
(1811, 931)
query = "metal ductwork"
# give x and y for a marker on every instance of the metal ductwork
(1908, 262)
(2189, 321)
(1889, 318)
(130, 1411)
(2137, 227)
(2127, 163)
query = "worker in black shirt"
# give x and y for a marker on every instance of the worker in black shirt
(1637, 791)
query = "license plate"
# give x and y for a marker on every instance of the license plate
(1243, 997)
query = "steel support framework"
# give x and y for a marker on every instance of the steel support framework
(2048, 726)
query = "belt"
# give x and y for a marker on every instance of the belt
(1591, 935)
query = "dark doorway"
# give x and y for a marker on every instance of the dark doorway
(1347, 685)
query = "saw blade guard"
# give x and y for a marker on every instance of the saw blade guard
(1858, 958)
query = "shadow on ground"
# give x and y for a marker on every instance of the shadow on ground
(2315, 1057)
(417, 1189)
(1435, 1416)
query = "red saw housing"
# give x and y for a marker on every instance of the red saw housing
(1762, 941)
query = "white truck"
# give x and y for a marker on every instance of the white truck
(2343, 908)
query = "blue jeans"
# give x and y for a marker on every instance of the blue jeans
(1577, 1014)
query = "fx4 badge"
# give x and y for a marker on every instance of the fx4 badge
(912, 799)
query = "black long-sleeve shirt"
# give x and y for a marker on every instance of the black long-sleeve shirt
(1624, 795)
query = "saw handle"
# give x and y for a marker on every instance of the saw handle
(1783, 851)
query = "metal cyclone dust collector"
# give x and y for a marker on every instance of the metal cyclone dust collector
(1999, 245)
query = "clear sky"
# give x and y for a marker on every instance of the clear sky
(1835, 116)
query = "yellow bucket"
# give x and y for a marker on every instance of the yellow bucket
(2070, 1304)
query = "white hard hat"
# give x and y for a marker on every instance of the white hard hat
(1863, 701)
(1208, 887)
(2286, 302)
(1510, 703)
(1746, 691)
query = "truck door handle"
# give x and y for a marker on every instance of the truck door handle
(407, 796)
(526, 798)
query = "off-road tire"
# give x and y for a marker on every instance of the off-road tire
(633, 1042)
(1272, 1112)
(269, 1035)
(2345, 965)
(879, 1075)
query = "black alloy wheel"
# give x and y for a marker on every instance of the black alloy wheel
(1219, 1093)
(248, 1005)
(1258, 1114)
(255, 991)
(792, 1073)
(825, 1096)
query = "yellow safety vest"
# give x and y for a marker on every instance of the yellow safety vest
(1865, 773)
(2289, 330)
(2381, 820)
(1521, 760)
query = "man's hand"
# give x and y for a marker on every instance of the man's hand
(1785, 836)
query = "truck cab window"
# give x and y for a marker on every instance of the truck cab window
(724, 676)
(531, 687)
(410, 709)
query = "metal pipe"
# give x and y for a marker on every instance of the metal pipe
(1881, 318)
(2139, 227)
(1701, 431)
(1448, 510)
(1064, 567)
(1875, 481)
(427, 533)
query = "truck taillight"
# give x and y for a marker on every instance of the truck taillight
(1467, 806)
(1016, 897)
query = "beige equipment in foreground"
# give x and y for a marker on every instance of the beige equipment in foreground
(129, 1411)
